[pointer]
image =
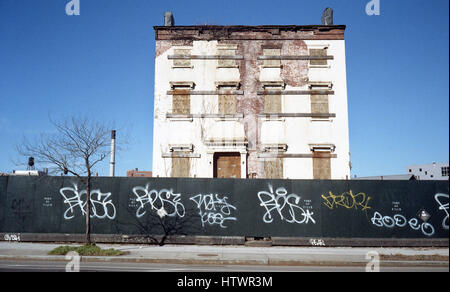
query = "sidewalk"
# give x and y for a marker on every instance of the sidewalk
(238, 255)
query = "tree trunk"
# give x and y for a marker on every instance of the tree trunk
(88, 206)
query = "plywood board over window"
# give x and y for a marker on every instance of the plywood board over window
(318, 53)
(227, 104)
(273, 168)
(272, 63)
(181, 103)
(322, 165)
(182, 63)
(180, 167)
(272, 104)
(319, 104)
(226, 51)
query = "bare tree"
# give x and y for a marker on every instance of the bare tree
(76, 147)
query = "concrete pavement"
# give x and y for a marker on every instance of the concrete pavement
(238, 255)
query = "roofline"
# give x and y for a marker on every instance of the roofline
(250, 27)
(247, 32)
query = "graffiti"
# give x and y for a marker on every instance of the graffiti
(165, 202)
(316, 242)
(47, 202)
(214, 210)
(286, 206)
(11, 237)
(21, 207)
(193, 208)
(396, 207)
(443, 206)
(401, 221)
(101, 207)
(347, 200)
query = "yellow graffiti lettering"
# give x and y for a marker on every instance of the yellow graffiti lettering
(347, 200)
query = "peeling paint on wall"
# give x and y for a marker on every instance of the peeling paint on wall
(294, 73)
(163, 45)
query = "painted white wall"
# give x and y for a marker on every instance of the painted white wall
(431, 171)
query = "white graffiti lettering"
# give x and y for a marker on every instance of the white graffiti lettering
(316, 242)
(11, 237)
(401, 221)
(164, 202)
(286, 206)
(214, 210)
(443, 206)
(101, 207)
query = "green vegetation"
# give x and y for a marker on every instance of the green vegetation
(86, 250)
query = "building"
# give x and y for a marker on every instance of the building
(431, 171)
(29, 173)
(251, 102)
(388, 177)
(138, 173)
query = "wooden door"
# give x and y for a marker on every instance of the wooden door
(227, 165)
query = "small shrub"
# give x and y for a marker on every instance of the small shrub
(86, 250)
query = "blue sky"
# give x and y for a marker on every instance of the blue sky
(101, 64)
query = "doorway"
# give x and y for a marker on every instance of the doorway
(227, 165)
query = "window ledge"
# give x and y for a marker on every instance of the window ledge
(319, 66)
(273, 119)
(274, 66)
(321, 120)
(227, 119)
(180, 119)
(227, 67)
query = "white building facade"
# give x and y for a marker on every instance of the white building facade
(430, 171)
(251, 102)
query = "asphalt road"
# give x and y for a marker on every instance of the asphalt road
(48, 266)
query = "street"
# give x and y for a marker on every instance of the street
(60, 266)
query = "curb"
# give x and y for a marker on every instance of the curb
(260, 262)
(229, 240)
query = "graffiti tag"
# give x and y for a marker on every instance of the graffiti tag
(443, 206)
(347, 200)
(164, 202)
(213, 209)
(11, 237)
(401, 221)
(101, 206)
(317, 242)
(287, 206)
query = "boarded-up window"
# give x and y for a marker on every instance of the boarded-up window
(181, 104)
(318, 53)
(272, 63)
(226, 63)
(274, 168)
(180, 167)
(319, 104)
(322, 166)
(183, 63)
(227, 104)
(272, 104)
